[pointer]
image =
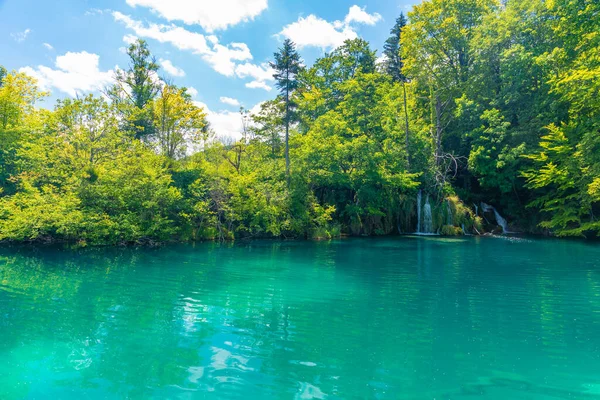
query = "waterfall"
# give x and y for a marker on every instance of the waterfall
(499, 219)
(450, 218)
(419, 211)
(424, 216)
(427, 219)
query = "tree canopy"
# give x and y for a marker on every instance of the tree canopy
(475, 101)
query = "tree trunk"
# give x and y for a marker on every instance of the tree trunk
(287, 152)
(287, 132)
(407, 126)
(438, 130)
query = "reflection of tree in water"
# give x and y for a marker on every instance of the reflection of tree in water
(104, 299)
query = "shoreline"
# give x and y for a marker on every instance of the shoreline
(157, 245)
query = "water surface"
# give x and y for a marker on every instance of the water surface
(399, 318)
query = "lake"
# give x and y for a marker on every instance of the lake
(393, 318)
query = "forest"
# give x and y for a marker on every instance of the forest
(472, 103)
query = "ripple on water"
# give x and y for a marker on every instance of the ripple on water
(383, 318)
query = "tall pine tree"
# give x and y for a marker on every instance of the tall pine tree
(393, 67)
(137, 87)
(392, 51)
(287, 66)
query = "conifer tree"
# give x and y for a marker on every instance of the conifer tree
(287, 66)
(136, 88)
(393, 67)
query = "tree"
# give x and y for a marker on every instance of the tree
(18, 95)
(78, 135)
(90, 127)
(135, 89)
(503, 109)
(287, 66)
(392, 49)
(18, 118)
(3, 73)
(352, 159)
(558, 173)
(266, 122)
(81, 180)
(436, 49)
(493, 159)
(566, 170)
(178, 122)
(394, 65)
(320, 84)
(353, 57)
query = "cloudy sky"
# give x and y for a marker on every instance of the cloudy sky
(218, 48)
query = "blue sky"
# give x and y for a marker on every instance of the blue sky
(217, 47)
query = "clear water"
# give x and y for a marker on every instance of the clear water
(402, 318)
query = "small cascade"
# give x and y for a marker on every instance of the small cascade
(419, 196)
(450, 217)
(427, 227)
(499, 219)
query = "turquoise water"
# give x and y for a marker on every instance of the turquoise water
(399, 318)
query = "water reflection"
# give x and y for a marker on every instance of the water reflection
(404, 318)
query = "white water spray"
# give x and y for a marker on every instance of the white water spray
(427, 219)
(424, 216)
(419, 196)
(499, 219)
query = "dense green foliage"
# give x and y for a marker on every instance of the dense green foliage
(475, 101)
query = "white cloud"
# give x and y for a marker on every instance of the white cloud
(260, 73)
(317, 32)
(361, 16)
(257, 108)
(48, 46)
(20, 36)
(95, 11)
(258, 85)
(171, 69)
(130, 39)
(211, 15)
(76, 72)
(230, 101)
(226, 124)
(221, 58)
(192, 91)
(178, 37)
(223, 123)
